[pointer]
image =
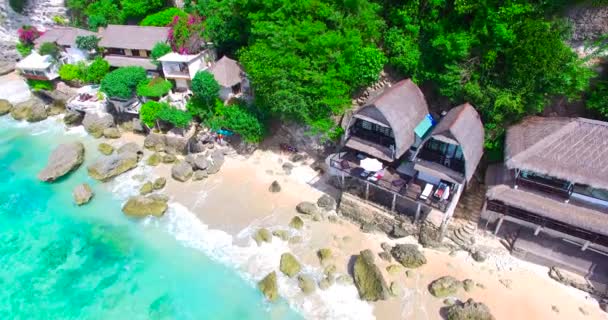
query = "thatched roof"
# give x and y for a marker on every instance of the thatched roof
(463, 125)
(572, 149)
(63, 36)
(542, 205)
(132, 37)
(227, 72)
(401, 107)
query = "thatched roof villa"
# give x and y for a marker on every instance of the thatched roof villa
(553, 189)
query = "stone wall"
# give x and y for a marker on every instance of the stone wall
(369, 216)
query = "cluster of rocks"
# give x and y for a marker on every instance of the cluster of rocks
(32, 110)
(198, 167)
(109, 166)
(97, 124)
(469, 310)
(448, 286)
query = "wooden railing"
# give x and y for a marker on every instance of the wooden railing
(543, 187)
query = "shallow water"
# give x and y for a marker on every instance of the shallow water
(60, 261)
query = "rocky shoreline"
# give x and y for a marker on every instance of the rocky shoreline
(382, 270)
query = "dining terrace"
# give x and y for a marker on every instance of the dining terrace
(390, 186)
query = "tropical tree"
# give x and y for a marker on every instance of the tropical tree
(97, 70)
(122, 82)
(163, 18)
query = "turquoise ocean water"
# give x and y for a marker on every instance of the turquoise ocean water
(60, 261)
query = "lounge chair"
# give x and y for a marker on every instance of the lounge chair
(428, 189)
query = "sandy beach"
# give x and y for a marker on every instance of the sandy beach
(237, 201)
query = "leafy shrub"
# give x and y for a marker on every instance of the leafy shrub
(178, 118)
(17, 5)
(87, 43)
(40, 84)
(185, 35)
(368, 63)
(96, 71)
(50, 48)
(140, 8)
(59, 20)
(205, 88)
(598, 98)
(160, 49)
(240, 119)
(122, 82)
(154, 88)
(149, 112)
(101, 13)
(163, 18)
(71, 72)
(24, 49)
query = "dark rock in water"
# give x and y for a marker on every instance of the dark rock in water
(326, 202)
(296, 223)
(5, 107)
(32, 110)
(105, 149)
(72, 118)
(94, 123)
(274, 187)
(479, 255)
(306, 284)
(182, 171)
(306, 207)
(408, 255)
(287, 167)
(142, 206)
(107, 167)
(65, 158)
(162, 308)
(111, 133)
(444, 287)
(368, 278)
(82, 194)
(159, 183)
(269, 286)
(469, 310)
(289, 265)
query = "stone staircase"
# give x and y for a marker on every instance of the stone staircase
(464, 236)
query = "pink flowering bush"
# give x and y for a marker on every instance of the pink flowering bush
(27, 34)
(185, 35)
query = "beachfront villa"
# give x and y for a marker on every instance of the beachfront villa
(65, 38)
(38, 67)
(181, 68)
(128, 45)
(550, 197)
(404, 159)
(231, 78)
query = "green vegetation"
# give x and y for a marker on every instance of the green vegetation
(40, 84)
(92, 73)
(140, 8)
(186, 34)
(24, 49)
(50, 48)
(87, 43)
(17, 5)
(241, 119)
(122, 82)
(59, 20)
(160, 49)
(151, 112)
(206, 90)
(154, 88)
(163, 18)
(100, 13)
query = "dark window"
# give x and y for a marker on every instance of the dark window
(135, 53)
(116, 51)
(589, 191)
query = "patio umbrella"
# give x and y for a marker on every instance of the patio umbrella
(371, 164)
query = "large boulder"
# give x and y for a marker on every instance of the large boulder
(269, 286)
(107, 167)
(217, 160)
(201, 162)
(408, 255)
(368, 278)
(445, 287)
(82, 194)
(326, 202)
(5, 107)
(137, 126)
(96, 122)
(72, 118)
(182, 171)
(65, 158)
(306, 207)
(111, 133)
(469, 310)
(155, 141)
(32, 110)
(289, 265)
(142, 206)
(176, 144)
(131, 147)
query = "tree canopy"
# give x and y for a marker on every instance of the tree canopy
(122, 82)
(163, 18)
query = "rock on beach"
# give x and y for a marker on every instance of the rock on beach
(82, 194)
(142, 206)
(65, 158)
(368, 279)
